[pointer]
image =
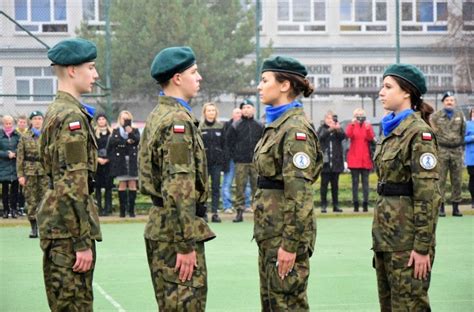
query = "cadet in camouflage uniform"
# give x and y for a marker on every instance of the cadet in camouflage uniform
(30, 172)
(406, 211)
(288, 160)
(172, 170)
(67, 217)
(450, 127)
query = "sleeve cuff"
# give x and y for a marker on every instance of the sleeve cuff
(289, 245)
(81, 243)
(185, 247)
(421, 248)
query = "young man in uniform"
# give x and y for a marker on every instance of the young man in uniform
(29, 170)
(173, 171)
(450, 127)
(67, 217)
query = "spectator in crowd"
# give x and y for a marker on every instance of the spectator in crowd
(30, 171)
(331, 136)
(22, 128)
(229, 174)
(214, 142)
(469, 155)
(359, 159)
(103, 179)
(9, 139)
(450, 128)
(243, 136)
(122, 153)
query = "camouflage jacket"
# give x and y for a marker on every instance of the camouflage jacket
(288, 152)
(172, 168)
(68, 152)
(27, 156)
(449, 132)
(407, 155)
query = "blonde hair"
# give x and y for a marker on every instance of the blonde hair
(8, 117)
(205, 106)
(358, 111)
(124, 112)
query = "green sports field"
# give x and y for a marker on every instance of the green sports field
(342, 278)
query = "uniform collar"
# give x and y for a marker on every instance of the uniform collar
(173, 102)
(286, 115)
(405, 124)
(71, 100)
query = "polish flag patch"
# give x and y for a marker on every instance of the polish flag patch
(178, 129)
(75, 125)
(426, 136)
(300, 136)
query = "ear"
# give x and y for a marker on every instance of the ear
(71, 71)
(285, 86)
(176, 79)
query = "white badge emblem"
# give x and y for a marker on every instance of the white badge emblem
(301, 160)
(428, 161)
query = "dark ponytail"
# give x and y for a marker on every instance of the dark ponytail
(417, 103)
(299, 85)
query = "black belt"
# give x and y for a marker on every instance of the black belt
(157, 201)
(450, 145)
(395, 189)
(31, 158)
(269, 184)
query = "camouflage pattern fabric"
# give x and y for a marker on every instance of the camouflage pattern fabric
(171, 293)
(405, 223)
(244, 173)
(66, 290)
(398, 290)
(288, 152)
(172, 167)
(450, 135)
(28, 166)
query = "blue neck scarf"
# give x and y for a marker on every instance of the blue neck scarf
(123, 133)
(273, 113)
(181, 101)
(391, 121)
(449, 113)
(36, 132)
(91, 110)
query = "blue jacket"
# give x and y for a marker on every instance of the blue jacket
(469, 140)
(7, 165)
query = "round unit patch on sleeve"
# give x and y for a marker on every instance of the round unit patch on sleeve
(301, 160)
(428, 161)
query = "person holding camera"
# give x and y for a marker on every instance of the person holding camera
(331, 136)
(359, 159)
(123, 151)
(103, 179)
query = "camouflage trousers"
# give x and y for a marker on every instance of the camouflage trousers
(243, 174)
(172, 294)
(398, 289)
(66, 290)
(452, 162)
(288, 294)
(35, 188)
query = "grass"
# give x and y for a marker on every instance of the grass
(341, 279)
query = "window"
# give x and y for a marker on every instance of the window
(301, 15)
(363, 15)
(320, 77)
(41, 15)
(1, 85)
(93, 12)
(35, 84)
(424, 15)
(362, 76)
(438, 75)
(468, 15)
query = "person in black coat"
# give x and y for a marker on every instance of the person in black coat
(331, 136)
(214, 142)
(122, 153)
(103, 178)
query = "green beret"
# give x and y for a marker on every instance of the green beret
(171, 61)
(36, 113)
(284, 64)
(447, 94)
(246, 102)
(72, 52)
(408, 73)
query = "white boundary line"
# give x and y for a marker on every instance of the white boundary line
(109, 297)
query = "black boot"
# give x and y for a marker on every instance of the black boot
(13, 212)
(324, 208)
(123, 203)
(472, 204)
(108, 201)
(215, 218)
(365, 206)
(132, 195)
(356, 206)
(336, 209)
(239, 217)
(34, 229)
(456, 212)
(441, 211)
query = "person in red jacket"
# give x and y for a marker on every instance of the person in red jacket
(359, 159)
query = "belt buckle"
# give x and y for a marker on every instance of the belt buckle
(380, 187)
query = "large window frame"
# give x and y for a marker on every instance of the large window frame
(32, 81)
(424, 16)
(352, 19)
(93, 14)
(468, 15)
(320, 77)
(362, 76)
(292, 22)
(41, 16)
(438, 75)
